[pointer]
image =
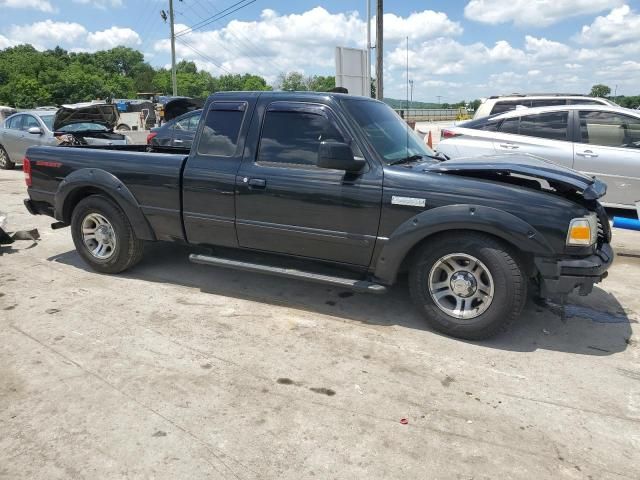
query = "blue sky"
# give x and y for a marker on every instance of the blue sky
(459, 49)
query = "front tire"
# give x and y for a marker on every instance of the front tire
(103, 235)
(468, 285)
(5, 161)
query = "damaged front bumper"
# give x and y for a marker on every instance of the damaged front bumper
(559, 277)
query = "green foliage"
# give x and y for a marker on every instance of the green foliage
(29, 78)
(600, 90)
(296, 82)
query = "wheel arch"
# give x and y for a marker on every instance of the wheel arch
(516, 234)
(86, 182)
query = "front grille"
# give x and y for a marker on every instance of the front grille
(604, 229)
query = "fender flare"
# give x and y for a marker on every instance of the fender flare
(493, 221)
(102, 180)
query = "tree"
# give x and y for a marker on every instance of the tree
(600, 90)
(318, 83)
(292, 81)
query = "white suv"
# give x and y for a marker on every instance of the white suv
(506, 103)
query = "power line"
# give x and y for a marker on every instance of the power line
(244, 46)
(203, 55)
(217, 16)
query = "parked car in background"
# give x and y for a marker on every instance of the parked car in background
(178, 133)
(597, 140)
(506, 103)
(82, 124)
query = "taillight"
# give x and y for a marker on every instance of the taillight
(150, 137)
(444, 133)
(26, 168)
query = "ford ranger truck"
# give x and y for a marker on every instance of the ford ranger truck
(336, 189)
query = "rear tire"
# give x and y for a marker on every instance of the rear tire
(103, 235)
(468, 285)
(5, 161)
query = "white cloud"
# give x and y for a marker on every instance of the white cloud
(101, 4)
(5, 42)
(621, 25)
(113, 37)
(418, 26)
(540, 13)
(70, 35)
(543, 49)
(42, 5)
(48, 33)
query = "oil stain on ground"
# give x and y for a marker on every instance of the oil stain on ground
(321, 390)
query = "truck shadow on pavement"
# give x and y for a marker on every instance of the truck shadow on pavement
(595, 325)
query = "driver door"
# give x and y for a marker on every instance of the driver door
(287, 204)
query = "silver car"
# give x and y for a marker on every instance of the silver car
(85, 124)
(597, 140)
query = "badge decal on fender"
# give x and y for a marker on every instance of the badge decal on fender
(410, 201)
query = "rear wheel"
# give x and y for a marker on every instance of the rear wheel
(5, 161)
(103, 235)
(468, 285)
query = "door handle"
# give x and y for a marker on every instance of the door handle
(257, 183)
(510, 146)
(587, 153)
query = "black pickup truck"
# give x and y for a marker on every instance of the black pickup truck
(336, 189)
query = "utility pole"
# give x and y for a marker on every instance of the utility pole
(439, 97)
(174, 81)
(379, 50)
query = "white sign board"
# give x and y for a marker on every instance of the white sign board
(351, 71)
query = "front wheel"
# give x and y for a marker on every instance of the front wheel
(5, 161)
(103, 235)
(468, 285)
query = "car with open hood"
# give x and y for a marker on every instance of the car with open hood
(336, 189)
(79, 124)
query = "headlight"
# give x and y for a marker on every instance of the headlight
(583, 231)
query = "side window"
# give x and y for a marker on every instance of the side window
(510, 125)
(183, 124)
(508, 105)
(29, 121)
(552, 125)
(221, 130)
(194, 120)
(609, 129)
(549, 102)
(577, 101)
(484, 124)
(15, 123)
(292, 138)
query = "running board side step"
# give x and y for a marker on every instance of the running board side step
(352, 284)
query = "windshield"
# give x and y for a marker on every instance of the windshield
(48, 120)
(84, 127)
(389, 135)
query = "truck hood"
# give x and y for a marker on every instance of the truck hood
(104, 114)
(497, 167)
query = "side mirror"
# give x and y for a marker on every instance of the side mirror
(34, 131)
(338, 156)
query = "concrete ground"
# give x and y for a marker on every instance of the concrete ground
(176, 370)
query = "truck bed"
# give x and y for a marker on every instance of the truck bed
(152, 178)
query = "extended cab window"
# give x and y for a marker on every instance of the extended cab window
(221, 129)
(552, 125)
(293, 137)
(609, 129)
